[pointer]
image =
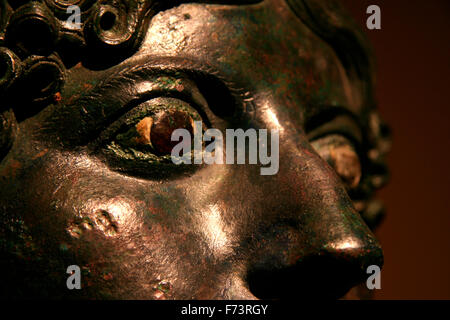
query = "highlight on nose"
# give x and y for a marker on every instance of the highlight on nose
(318, 247)
(328, 273)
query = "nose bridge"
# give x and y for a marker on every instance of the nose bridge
(330, 247)
(326, 214)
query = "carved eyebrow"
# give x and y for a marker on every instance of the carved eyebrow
(168, 65)
(225, 97)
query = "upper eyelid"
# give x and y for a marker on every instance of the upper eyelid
(130, 96)
(108, 102)
(200, 72)
(131, 90)
(193, 70)
(147, 95)
(335, 120)
(159, 66)
(103, 104)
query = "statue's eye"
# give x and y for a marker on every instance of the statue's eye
(154, 132)
(341, 155)
(140, 142)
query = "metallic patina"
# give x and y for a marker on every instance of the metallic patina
(85, 175)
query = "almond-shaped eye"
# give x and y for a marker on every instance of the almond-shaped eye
(340, 154)
(140, 142)
(148, 129)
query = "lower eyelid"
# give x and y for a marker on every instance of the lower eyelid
(135, 159)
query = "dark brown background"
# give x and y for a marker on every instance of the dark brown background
(413, 91)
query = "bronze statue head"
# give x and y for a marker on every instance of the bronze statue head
(86, 116)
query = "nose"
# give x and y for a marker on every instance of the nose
(326, 274)
(318, 246)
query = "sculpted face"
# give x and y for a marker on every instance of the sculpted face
(88, 180)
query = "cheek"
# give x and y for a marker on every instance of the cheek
(98, 205)
(124, 234)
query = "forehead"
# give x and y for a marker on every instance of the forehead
(264, 48)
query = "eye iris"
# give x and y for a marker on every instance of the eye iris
(143, 129)
(162, 126)
(347, 165)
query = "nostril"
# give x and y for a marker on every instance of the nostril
(327, 275)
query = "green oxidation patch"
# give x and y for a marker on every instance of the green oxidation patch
(164, 286)
(169, 83)
(130, 153)
(93, 81)
(128, 138)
